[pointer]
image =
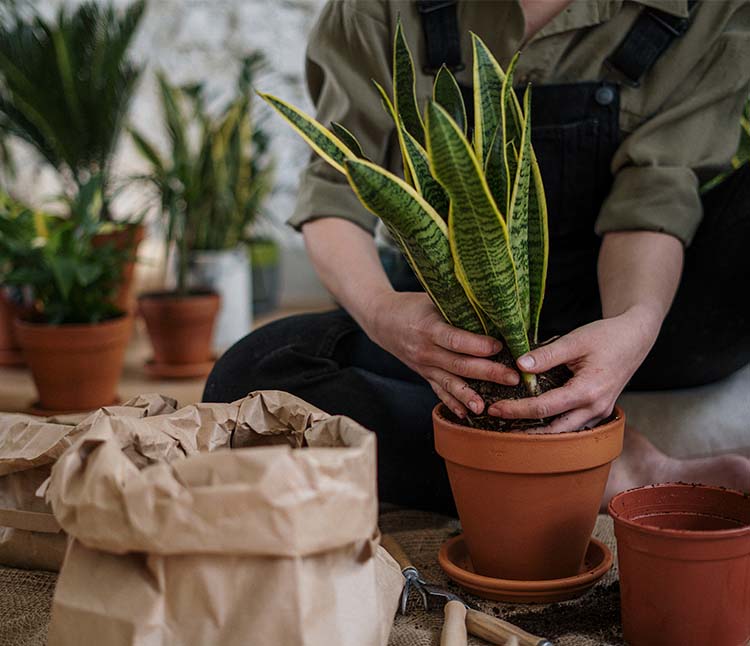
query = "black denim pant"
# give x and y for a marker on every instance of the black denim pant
(329, 361)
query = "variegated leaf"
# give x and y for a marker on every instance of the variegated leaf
(348, 139)
(477, 233)
(538, 246)
(445, 92)
(422, 235)
(488, 79)
(518, 216)
(511, 131)
(404, 86)
(318, 137)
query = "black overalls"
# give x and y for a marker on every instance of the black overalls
(329, 361)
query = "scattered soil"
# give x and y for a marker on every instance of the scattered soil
(492, 392)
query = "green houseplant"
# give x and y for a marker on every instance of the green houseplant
(211, 188)
(66, 88)
(72, 335)
(471, 219)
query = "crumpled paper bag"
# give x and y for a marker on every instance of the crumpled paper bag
(30, 537)
(270, 543)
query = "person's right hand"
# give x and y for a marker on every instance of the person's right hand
(409, 326)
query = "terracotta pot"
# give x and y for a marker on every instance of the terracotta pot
(75, 367)
(10, 351)
(180, 327)
(684, 556)
(125, 239)
(527, 503)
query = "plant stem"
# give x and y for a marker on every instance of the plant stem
(531, 383)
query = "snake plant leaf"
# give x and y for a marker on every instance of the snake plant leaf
(445, 92)
(477, 234)
(538, 246)
(496, 171)
(317, 136)
(399, 125)
(488, 79)
(404, 86)
(422, 235)
(348, 139)
(511, 130)
(518, 216)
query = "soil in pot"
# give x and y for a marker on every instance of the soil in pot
(527, 503)
(75, 367)
(684, 558)
(181, 328)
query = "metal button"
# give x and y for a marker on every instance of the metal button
(604, 95)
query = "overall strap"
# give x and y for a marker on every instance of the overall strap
(651, 35)
(441, 33)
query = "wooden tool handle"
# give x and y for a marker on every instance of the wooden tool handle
(497, 631)
(396, 551)
(454, 628)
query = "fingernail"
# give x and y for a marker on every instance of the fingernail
(493, 410)
(475, 406)
(512, 379)
(526, 361)
(459, 413)
(497, 346)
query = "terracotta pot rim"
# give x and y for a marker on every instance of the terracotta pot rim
(166, 296)
(526, 437)
(74, 327)
(682, 534)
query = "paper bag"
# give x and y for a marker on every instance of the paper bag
(272, 543)
(30, 537)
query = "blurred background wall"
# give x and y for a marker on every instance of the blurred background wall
(203, 40)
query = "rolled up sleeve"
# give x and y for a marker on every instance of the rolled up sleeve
(660, 166)
(348, 47)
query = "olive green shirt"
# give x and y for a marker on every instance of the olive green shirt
(680, 126)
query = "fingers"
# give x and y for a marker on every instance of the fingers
(456, 340)
(553, 402)
(473, 367)
(456, 390)
(570, 421)
(549, 356)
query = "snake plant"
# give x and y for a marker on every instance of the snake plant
(470, 214)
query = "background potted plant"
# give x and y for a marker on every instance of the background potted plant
(66, 88)
(470, 217)
(211, 189)
(73, 337)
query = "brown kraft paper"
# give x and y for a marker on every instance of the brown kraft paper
(272, 543)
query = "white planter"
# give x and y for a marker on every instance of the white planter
(228, 274)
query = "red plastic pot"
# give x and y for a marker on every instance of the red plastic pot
(684, 557)
(527, 503)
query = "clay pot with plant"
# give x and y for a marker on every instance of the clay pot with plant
(72, 336)
(67, 84)
(470, 218)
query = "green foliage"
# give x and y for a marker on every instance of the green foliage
(486, 271)
(73, 279)
(741, 157)
(67, 85)
(211, 191)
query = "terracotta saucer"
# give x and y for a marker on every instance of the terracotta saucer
(456, 563)
(178, 370)
(36, 409)
(11, 358)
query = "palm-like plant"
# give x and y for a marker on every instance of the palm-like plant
(470, 215)
(211, 191)
(66, 85)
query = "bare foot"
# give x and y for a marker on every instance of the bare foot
(641, 463)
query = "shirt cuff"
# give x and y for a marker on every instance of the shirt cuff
(653, 199)
(320, 195)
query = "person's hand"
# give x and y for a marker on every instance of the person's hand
(409, 326)
(602, 355)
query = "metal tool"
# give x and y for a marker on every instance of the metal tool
(480, 624)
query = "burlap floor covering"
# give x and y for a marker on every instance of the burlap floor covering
(593, 620)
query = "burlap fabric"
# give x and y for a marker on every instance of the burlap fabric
(593, 620)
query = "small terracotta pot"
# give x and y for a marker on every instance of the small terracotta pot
(684, 557)
(75, 367)
(180, 327)
(125, 239)
(10, 351)
(527, 503)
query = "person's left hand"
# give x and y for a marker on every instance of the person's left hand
(602, 355)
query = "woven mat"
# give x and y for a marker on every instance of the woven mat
(593, 620)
